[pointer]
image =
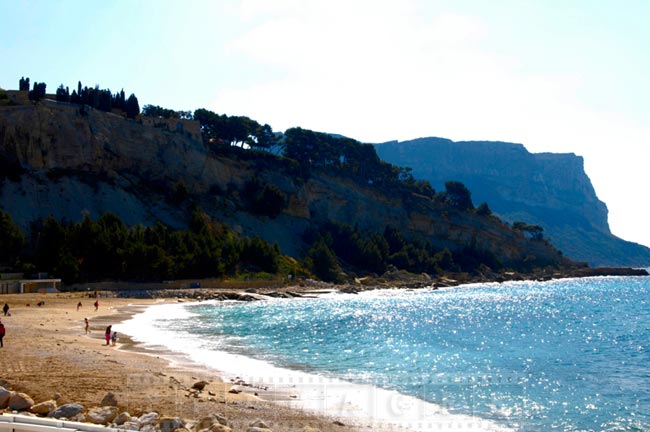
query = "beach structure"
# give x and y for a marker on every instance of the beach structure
(11, 283)
(22, 423)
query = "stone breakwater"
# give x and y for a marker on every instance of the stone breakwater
(108, 414)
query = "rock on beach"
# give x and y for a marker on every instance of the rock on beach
(102, 415)
(4, 397)
(44, 408)
(20, 402)
(109, 400)
(67, 411)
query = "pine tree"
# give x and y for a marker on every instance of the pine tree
(132, 107)
(23, 84)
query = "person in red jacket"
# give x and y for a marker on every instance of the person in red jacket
(108, 335)
(2, 334)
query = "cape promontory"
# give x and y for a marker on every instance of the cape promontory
(547, 189)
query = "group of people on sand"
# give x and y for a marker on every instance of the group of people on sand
(111, 336)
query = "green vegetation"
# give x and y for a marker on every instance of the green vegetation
(483, 210)
(160, 112)
(458, 196)
(534, 231)
(267, 200)
(221, 130)
(108, 249)
(38, 92)
(4, 99)
(12, 239)
(337, 246)
(101, 99)
(23, 84)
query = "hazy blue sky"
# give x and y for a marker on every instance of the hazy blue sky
(557, 75)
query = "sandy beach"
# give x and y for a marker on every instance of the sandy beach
(47, 355)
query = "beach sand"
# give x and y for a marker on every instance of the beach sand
(47, 355)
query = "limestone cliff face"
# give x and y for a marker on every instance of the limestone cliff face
(551, 190)
(49, 137)
(70, 164)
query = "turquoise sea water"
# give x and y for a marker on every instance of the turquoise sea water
(567, 355)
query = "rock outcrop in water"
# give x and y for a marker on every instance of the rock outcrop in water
(546, 189)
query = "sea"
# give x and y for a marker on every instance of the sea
(561, 355)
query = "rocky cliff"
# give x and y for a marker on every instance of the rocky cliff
(550, 190)
(62, 162)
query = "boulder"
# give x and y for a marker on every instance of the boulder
(44, 408)
(67, 411)
(109, 400)
(20, 402)
(4, 397)
(200, 385)
(258, 429)
(220, 428)
(122, 418)
(101, 415)
(149, 418)
(170, 424)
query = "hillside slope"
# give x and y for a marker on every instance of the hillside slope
(550, 190)
(63, 163)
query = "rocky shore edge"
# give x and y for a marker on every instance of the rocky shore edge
(108, 414)
(308, 288)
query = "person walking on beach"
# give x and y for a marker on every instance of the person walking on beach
(5, 309)
(96, 304)
(113, 338)
(108, 335)
(2, 334)
(78, 306)
(87, 324)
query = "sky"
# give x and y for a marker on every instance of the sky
(563, 76)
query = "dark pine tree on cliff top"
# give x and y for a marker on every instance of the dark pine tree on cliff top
(132, 107)
(23, 85)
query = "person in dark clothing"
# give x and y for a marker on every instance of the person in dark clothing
(5, 309)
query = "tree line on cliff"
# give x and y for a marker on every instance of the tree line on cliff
(92, 250)
(101, 99)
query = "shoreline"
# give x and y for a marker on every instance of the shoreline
(360, 405)
(47, 356)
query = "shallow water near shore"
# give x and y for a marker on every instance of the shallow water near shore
(563, 355)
